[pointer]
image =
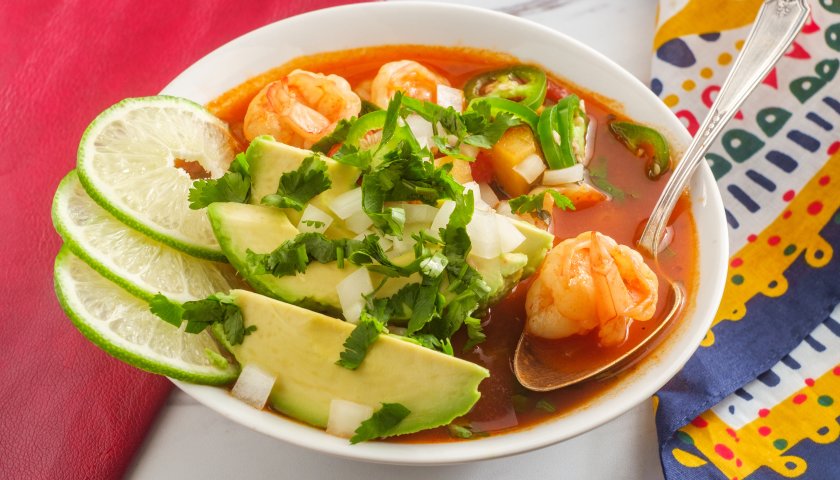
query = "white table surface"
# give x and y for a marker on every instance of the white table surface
(190, 441)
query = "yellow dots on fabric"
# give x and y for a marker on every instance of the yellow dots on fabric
(739, 44)
(724, 59)
(688, 85)
(706, 73)
(671, 100)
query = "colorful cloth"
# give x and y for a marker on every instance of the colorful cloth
(761, 397)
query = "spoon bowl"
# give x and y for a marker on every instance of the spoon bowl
(537, 373)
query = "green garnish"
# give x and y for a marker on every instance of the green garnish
(460, 431)
(381, 422)
(313, 223)
(546, 406)
(534, 203)
(360, 339)
(299, 186)
(598, 175)
(646, 143)
(200, 314)
(233, 186)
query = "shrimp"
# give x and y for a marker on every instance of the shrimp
(301, 108)
(591, 282)
(407, 76)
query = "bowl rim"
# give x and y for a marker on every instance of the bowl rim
(522, 440)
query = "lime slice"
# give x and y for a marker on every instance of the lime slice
(123, 326)
(127, 163)
(136, 262)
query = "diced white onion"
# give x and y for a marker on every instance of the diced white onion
(589, 142)
(450, 97)
(488, 195)
(530, 168)
(346, 416)
(563, 175)
(421, 128)
(484, 235)
(347, 203)
(350, 291)
(509, 236)
(503, 208)
(358, 222)
(478, 199)
(400, 246)
(419, 213)
(468, 150)
(253, 386)
(385, 243)
(442, 217)
(312, 214)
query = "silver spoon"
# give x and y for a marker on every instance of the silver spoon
(775, 27)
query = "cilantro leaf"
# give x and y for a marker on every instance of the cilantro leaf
(381, 422)
(299, 186)
(200, 314)
(293, 256)
(598, 175)
(534, 203)
(475, 333)
(233, 186)
(460, 431)
(360, 340)
(337, 136)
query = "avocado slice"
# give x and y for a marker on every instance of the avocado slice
(300, 347)
(268, 160)
(241, 227)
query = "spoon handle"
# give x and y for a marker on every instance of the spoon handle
(775, 27)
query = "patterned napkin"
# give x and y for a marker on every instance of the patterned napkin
(761, 397)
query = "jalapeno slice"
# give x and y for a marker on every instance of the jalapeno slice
(645, 143)
(498, 104)
(520, 83)
(562, 133)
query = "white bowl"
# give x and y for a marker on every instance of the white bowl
(439, 24)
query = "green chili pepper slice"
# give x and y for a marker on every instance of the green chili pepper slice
(520, 83)
(562, 133)
(376, 121)
(646, 143)
(370, 121)
(498, 104)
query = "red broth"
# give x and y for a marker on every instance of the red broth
(505, 405)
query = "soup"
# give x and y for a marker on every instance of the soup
(615, 171)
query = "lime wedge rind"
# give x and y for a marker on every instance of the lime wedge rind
(137, 263)
(144, 143)
(122, 325)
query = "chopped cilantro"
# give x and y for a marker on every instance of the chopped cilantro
(293, 256)
(534, 203)
(314, 223)
(200, 314)
(460, 431)
(233, 186)
(381, 422)
(520, 402)
(598, 175)
(299, 186)
(337, 136)
(360, 339)
(475, 333)
(546, 406)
